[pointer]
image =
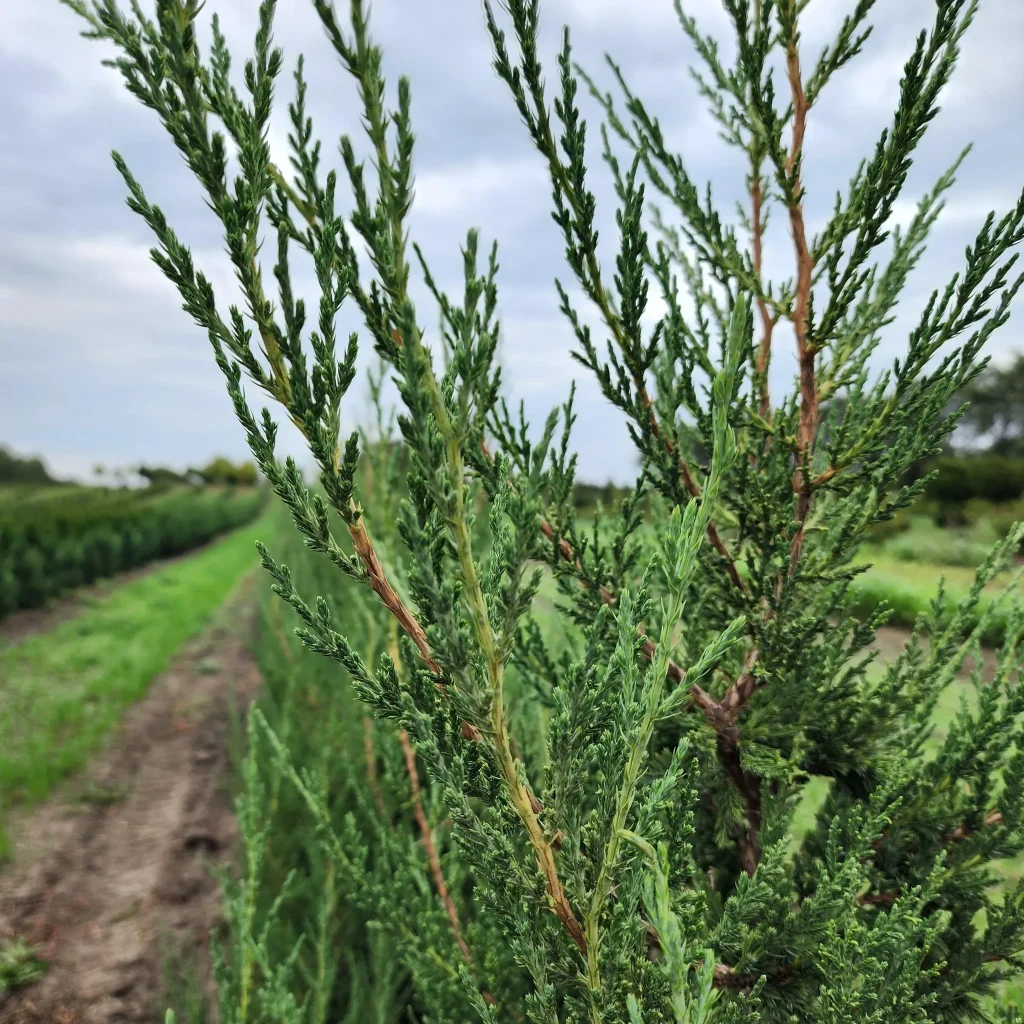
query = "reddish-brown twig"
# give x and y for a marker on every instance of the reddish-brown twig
(429, 845)
(806, 350)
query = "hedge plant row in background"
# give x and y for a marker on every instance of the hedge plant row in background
(962, 488)
(56, 540)
(961, 478)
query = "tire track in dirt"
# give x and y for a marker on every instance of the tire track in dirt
(117, 868)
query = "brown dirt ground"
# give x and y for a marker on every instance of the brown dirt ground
(107, 884)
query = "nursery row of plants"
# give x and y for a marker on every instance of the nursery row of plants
(62, 691)
(64, 537)
(910, 553)
(974, 476)
(908, 591)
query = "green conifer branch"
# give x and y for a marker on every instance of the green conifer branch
(666, 829)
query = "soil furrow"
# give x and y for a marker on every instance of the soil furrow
(116, 870)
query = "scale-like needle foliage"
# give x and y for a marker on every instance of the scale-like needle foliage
(612, 792)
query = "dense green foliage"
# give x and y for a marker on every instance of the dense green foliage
(17, 470)
(618, 784)
(56, 539)
(959, 478)
(299, 928)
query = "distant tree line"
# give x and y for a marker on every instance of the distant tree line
(986, 458)
(994, 422)
(220, 471)
(17, 470)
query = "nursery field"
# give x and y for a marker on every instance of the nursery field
(109, 899)
(126, 656)
(117, 709)
(64, 689)
(56, 538)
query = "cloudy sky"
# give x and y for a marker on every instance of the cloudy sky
(99, 364)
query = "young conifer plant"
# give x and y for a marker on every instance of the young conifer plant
(619, 776)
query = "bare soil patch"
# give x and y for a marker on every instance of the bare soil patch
(117, 869)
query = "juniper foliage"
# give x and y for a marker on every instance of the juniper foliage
(618, 804)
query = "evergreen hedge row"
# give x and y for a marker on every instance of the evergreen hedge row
(961, 478)
(908, 603)
(84, 534)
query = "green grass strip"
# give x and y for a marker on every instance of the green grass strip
(909, 588)
(62, 691)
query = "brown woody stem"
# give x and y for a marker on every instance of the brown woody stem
(382, 588)
(806, 350)
(764, 351)
(431, 848)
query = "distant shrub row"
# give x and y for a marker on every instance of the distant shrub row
(79, 535)
(908, 599)
(984, 521)
(586, 497)
(17, 470)
(961, 478)
(927, 543)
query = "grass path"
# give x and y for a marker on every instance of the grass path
(62, 691)
(110, 898)
(16, 627)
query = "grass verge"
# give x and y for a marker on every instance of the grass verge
(61, 692)
(909, 588)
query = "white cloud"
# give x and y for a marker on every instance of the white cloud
(960, 212)
(116, 260)
(483, 183)
(75, 77)
(870, 84)
(965, 211)
(101, 299)
(93, 337)
(637, 15)
(990, 68)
